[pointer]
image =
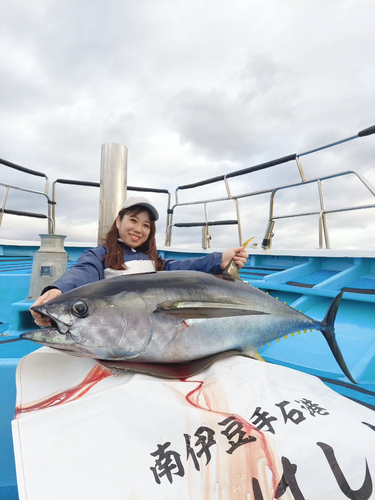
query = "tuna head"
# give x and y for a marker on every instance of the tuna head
(110, 327)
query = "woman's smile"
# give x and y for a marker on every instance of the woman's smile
(134, 237)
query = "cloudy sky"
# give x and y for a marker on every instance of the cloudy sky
(194, 89)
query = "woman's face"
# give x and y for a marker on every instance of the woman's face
(134, 229)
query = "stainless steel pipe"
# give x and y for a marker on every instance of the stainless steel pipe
(113, 184)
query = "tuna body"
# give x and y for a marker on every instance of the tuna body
(165, 317)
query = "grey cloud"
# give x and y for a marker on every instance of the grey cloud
(224, 126)
(193, 92)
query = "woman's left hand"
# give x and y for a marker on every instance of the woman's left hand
(238, 254)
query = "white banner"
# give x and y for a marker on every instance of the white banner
(241, 429)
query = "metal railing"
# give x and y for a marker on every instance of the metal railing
(44, 193)
(97, 184)
(267, 241)
(206, 224)
(206, 237)
(52, 202)
(323, 228)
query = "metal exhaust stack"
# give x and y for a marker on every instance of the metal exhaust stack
(113, 184)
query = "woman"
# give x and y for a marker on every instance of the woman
(129, 248)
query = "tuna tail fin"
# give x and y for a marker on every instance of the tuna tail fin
(328, 330)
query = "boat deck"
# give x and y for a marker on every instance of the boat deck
(307, 283)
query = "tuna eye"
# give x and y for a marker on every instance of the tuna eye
(80, 308)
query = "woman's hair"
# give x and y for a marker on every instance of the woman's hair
(115, 256)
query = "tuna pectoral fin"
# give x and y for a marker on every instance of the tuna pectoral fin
(195, 310)
(169, 370)
(328, 330)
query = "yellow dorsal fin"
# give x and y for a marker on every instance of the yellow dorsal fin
(247, 242)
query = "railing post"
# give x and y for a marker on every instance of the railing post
(53, 206)
(5, 196)
(300, 169)
(239, 227)
(206, 237)
(227, 187)
(268, 235)
(322, 218)
(51, 220)
(320, 231)
(168, 227)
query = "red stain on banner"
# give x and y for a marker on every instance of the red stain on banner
(95, 375)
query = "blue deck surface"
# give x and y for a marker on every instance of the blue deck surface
(363, 283)
(307, 284)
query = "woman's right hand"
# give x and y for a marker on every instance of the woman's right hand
(39, 319)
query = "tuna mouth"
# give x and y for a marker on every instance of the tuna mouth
(50, 337)
(58, 325)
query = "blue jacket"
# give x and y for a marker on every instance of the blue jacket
(91, 266)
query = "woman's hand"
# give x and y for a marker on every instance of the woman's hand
(39, 319)
(239, 255)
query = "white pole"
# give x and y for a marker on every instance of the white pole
(113, 184)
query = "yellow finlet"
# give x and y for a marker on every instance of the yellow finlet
(257, 356)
